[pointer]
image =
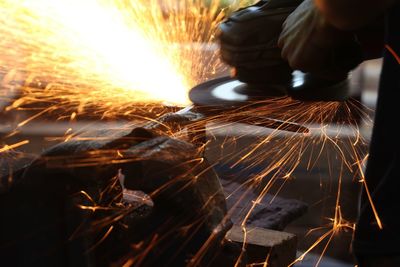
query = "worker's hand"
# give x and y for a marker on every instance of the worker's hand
(310, 44)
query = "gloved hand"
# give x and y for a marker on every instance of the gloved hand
(248, 42)
(310, 44)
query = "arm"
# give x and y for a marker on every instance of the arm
(352, 14)
(311, 33)
(310, 43)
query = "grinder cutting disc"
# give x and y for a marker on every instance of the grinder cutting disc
(227, 92)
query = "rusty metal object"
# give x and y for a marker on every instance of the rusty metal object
(264, 246)
(272, 212)
(71, 209)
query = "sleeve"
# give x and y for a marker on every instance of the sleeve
(352, 14)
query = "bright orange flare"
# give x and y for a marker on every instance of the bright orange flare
(88, 41)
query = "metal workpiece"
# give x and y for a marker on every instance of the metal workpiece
(73, 203)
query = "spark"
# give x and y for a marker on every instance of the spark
(7, 148)
(284, 152)
(371, 202)
(338, 224)
(391, 50)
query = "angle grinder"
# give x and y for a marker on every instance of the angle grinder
(248, 43)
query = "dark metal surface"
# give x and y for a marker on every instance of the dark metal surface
(44, 219)
(272, 212)
(227, 92)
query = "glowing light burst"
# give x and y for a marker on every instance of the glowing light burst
(89, 46)
(104, 55)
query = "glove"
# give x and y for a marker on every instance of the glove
(248, 42)
(310, 44)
